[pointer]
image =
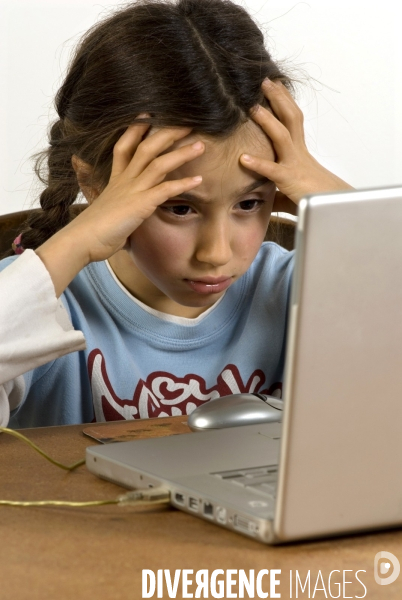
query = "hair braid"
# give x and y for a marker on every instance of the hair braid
(60, 193)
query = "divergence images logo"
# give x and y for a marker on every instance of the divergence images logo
(383, 561)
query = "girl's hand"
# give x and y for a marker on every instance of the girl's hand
(136, 188)
(295, 172)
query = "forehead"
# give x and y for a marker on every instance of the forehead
(219, 164)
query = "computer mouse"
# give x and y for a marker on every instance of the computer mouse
(236, 410)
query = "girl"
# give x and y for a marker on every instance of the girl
(178, 128)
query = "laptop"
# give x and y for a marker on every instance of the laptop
(332, 467)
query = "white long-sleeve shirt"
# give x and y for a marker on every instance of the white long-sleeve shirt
(34, 327)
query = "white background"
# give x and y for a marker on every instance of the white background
(349, 54)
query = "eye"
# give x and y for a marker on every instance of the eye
(179, 210)
(251, 204)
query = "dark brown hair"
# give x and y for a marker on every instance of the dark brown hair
(196, 63)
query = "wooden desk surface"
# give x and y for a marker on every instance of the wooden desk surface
(98, 553)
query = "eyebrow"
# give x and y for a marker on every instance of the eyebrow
(249, 188)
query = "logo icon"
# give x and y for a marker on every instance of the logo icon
(257, 503)
(385, 562)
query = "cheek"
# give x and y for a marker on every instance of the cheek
(249, 243)
(248, 239)
(154, 244)
(255, 232)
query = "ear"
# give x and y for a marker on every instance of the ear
(83, 170)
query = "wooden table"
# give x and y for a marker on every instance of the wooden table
(98, 553)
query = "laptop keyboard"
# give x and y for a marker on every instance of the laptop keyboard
(262, 479)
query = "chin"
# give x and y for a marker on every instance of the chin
(201, 302)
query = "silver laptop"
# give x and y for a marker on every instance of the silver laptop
(334, 464)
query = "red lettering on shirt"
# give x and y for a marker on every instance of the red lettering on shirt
(163, 394)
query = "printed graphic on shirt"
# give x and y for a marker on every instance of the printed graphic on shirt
(163, 394)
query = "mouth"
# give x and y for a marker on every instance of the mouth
(209, 285)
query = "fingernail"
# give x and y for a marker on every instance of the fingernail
(246, 157)
(255, 109)
(143, 116)
(197, 178)
(267, 82)
(198, 145)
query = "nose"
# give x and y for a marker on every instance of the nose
(214, 243)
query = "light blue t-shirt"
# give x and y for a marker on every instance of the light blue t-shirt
(139, 363)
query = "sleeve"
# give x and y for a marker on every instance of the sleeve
(35, 326)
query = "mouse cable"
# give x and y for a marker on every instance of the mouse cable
(145, 496)
(41, 452)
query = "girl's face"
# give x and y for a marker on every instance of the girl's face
(193, 247)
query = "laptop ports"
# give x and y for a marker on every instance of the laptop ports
(244, 524)
(208, 510)
(179, 498)
(193, 504)
(221, 514)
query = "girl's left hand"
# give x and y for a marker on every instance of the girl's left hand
(295, 172)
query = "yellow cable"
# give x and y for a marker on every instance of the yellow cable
(149, 496)
(146, 496)
(35, 447)
(55, 503)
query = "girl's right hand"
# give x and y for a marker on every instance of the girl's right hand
(136, 188)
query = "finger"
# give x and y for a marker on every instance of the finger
(150, 148)
(265, 167)
(276, 131)
(125, 147)
(157, 170)
(167, 189)
(285, 108)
